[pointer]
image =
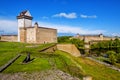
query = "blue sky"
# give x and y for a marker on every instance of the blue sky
(68, 16)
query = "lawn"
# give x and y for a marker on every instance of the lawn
(37, 64)
(46, 61)
(78, 67)
(94, 69)
(98, 71)
(8, 50)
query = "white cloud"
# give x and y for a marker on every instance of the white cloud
(86, 16)
(70, 29)
(73, 15)
(116, 34)
(8, 26)
(69, 15)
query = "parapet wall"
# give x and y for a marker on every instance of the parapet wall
(10, 38)
(70, 48)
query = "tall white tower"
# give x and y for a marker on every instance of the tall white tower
(24, 20)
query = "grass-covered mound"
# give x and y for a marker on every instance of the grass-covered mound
(8, 50)
(78, 67)
(92, 68)
(42, 61)
(46, 61)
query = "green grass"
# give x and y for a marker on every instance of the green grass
(98, 71)
(78, 67)
(37, 64)
(8, 50)
(92, 68)
(67, 64)
(103, 59)
(42, 62)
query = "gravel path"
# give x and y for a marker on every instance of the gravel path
(43, 75)
(108, 65)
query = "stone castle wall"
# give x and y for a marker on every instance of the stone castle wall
(9, 38)
(31, 35)
(70, 48)
(46, 35)
(22, 35)
(38, 35)
(96, 38)
(91, 39)
(109, 38)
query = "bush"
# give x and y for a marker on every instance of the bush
(64, 39)
(112, 57)
(118, 58)
(104, 46)
(67, 39)
(78, 43)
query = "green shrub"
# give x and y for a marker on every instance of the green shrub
(64, 39)
(112, 57)
(118, 58)
(78, 43)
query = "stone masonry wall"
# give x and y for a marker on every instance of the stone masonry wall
(38, 35)
(22, 35)
(31, 35)
(70, 48)
(46, 35)
(10, 38)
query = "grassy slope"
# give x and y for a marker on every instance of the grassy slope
(36, 65)
(94, 69)
(106, 59)
(44, 61)
(98, 71)
(8, 50)
(75, 66)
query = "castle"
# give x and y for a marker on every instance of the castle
(35, 34)
(90, 39)
(31, 34)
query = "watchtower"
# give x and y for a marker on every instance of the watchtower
(24, 21)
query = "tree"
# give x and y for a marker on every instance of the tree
(105, 46)
(67, 39)
(78, 43)
(112, 57)
(64, 39)
(118, 58)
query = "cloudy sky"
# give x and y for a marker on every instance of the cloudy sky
(68, 16)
